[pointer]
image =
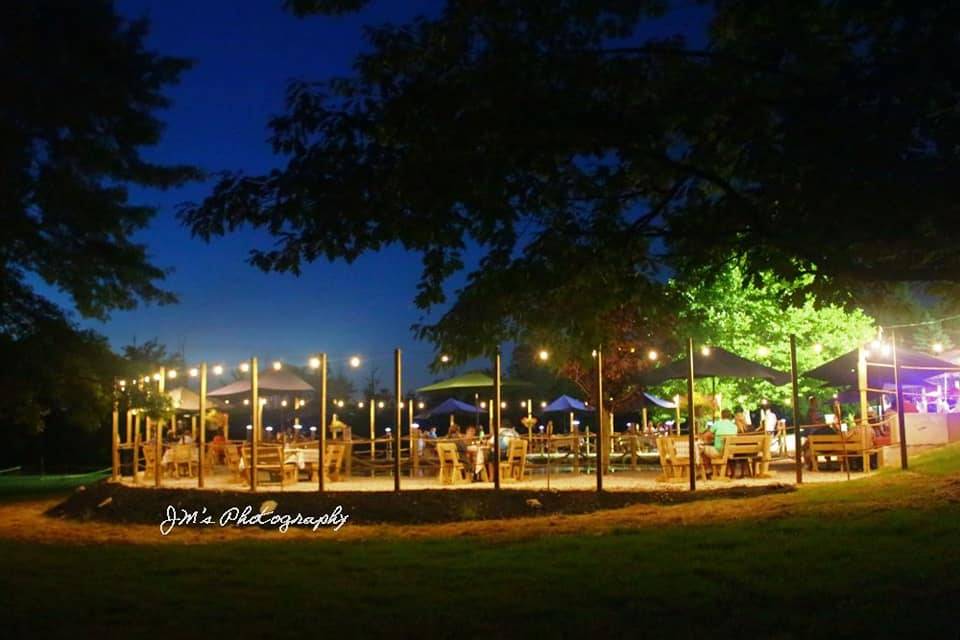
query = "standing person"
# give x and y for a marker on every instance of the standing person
(814, 417)
(768, 421)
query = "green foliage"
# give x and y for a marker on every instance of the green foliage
(751, 318)
(926, 336)
(814, 140)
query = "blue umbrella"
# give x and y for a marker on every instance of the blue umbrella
(449, 406)
(565, 404)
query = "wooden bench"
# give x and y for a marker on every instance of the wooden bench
(857, 443)
(754, 449)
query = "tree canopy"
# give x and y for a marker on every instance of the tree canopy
(80, 105)
(816, 141)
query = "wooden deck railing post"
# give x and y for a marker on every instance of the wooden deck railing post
(201, 454)
(398, 411)
(794, 376)
(255, 419)
(691, 412)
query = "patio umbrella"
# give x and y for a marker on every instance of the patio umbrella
(448, 406)
(565, 404)
(842, 370)
(472, 380)
(185, 399)
(278, 381)
(660, 402)
(718, 363)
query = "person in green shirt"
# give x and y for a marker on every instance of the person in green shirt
(720, 430)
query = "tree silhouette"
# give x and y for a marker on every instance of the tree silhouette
(812, 140)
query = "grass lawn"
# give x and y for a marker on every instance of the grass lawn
(872, 558)
(22, 487)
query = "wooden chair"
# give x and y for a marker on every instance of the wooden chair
(332, 461)
(184, 460)
(452, 470)
(149, 460)
(675, 458)
(515, 465)
(232, 453)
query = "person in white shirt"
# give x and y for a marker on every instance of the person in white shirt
(770, 421)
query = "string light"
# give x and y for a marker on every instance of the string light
(340, 403)
(156, 377)
(483, 405)
(444, 358)
(705, 350)
(314, 362)
(503, 405)
(283, 403)
(652, 355)
(938, 347)
(360, 404)
(246, 402)
(263, 401)
(249, 427)
(355, 361)
(523, 404)
(194, 372)
(763, 352)
(543, 404)
(218, 370)
(421, 405)
(381, 404)
(817, 348)
(544, 355)
(244, 367)
(226, 402)
(277, 365)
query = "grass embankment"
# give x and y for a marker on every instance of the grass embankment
(873, 558)
(23, 487)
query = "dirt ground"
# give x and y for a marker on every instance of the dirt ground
(26, 520)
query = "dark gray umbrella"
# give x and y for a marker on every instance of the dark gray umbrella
(915, 368)
(719, 363)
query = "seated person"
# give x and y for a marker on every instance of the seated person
(716, 433)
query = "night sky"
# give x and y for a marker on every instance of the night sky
(245, 53)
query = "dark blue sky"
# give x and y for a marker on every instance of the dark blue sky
(245, 53)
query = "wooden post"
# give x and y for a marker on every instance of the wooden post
(136, 446)
(201, 465)
(397, 378)
(115, 437)
(794, 377)
(414, 440)
(158, 434)
(692, 417)
(862, 382)
(373, 433)
(901, 415)
(600, 425)
(498, 416)
(322, 442)
(255, 418)
(129, 425)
